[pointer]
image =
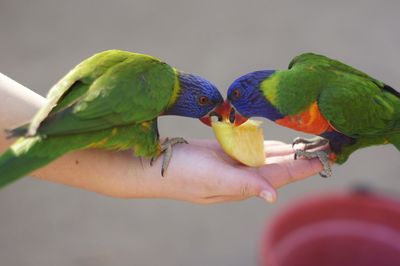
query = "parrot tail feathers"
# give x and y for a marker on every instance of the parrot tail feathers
(22, 158)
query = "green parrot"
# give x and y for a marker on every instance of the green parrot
(110, 101)
(324, 97)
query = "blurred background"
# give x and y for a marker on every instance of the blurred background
(50, 224)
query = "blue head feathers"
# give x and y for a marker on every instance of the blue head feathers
(197, 97)
(246, 97)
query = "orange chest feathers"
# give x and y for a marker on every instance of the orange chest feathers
(310, 121)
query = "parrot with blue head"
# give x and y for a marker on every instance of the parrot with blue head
(345, 108)
(110, 101)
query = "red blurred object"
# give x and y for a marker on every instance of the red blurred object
(353, 229)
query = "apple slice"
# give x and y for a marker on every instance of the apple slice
(244, 143)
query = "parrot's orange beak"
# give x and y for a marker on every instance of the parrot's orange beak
(224, 112)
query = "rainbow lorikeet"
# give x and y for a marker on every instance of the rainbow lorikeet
(110, 101)
(321, 96)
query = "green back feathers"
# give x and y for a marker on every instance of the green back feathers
(101, 91)
(312, 61)
(84, 73)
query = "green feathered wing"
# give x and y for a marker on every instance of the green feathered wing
(354, 103)
(111, 101)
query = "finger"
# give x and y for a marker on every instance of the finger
(218, 199)
(287, 149)
(279, 150)
(284, 170)
(270, 143)
(222, 198)
(212, 143)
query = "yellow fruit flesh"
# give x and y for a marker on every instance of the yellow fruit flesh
(244, 143)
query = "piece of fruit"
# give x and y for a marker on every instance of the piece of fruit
(244, 143)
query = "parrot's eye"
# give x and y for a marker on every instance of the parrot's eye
(236, 94)
(203, 100)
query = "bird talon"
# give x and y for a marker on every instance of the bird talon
(310, 143)
(162, 171)
(166, 149)
(323, 157)
(152, 160)
(323, 174)
(297, 140)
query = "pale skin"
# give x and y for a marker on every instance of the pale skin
(199, 172)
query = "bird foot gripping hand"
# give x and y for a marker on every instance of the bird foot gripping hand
(166, 149)
(308, 152)
(323, 157)
(244, 143)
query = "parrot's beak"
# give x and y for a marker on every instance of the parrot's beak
(206, 120)
(235, 117)
(224, 112)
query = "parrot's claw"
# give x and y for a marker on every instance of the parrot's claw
(310, 143)
(166, 148)
(152, 160)
(322, 155)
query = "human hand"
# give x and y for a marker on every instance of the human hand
(199, 172)
(205, 174)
